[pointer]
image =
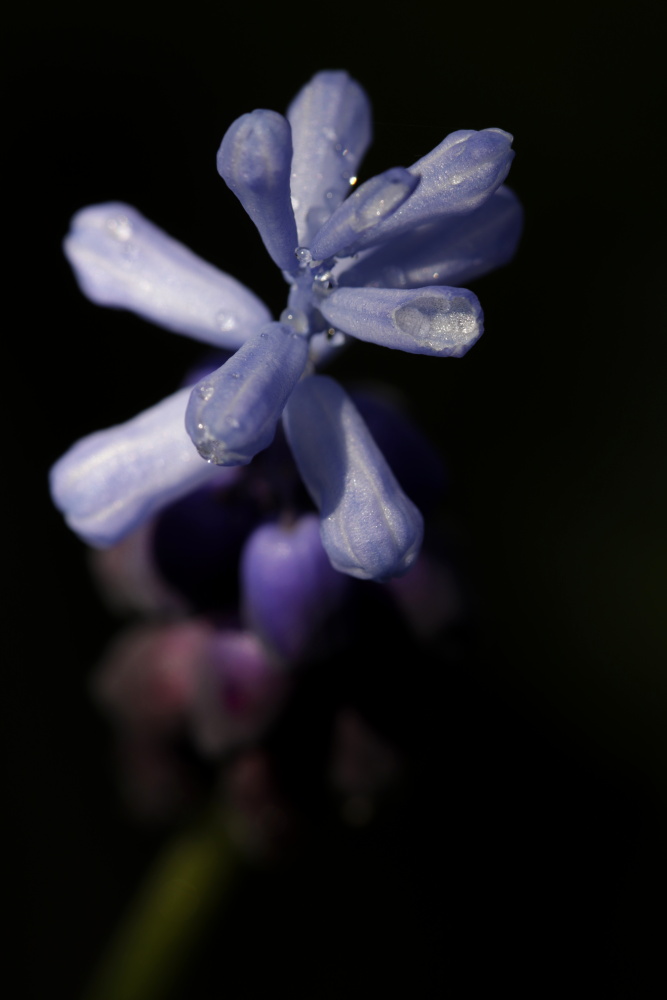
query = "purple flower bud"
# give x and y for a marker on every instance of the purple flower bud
(369, 528)
(233, 412)
(439, 321)
(362, 212)
(455, 178)
(121, 259)
(331, 130)
(238, 691)
(255, 160)
(289, 586)
(452, 250)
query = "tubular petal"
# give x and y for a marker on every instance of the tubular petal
(369, 528)
(121, 259)
(439, 321)
(365, 209)
(255, 161)
(453, 250)
(111, 481)
(331, 130)
(233, 412)
(455, 178)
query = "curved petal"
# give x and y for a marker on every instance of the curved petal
(233, 412)
(455, 178)
(331, 131)
(439, 321)
(111, 481)
(121, 259)
(255, 161)
(362, 212)
(369, 527)
(453, 250)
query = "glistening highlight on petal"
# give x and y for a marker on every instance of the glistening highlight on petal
(121, 259)
(439, 321)
(111, 481)
(364, 210)
(370, 529)
(233, 412)
(455, 178)
(331, 131)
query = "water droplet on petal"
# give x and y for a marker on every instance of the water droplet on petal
(120, 227)
(224, 321)
(303, 255)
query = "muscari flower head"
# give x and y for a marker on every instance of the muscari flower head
(382, 263)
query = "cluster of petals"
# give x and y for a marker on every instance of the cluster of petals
(382, 262)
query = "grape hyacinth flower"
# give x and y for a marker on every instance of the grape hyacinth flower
(382, 263)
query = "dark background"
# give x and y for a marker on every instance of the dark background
(532, 833)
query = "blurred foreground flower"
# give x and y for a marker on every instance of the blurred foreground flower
(368, 266)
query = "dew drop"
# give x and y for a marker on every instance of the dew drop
(120, 228)
(303, 255)
(295, 318)
(224, 321)
(437, 322)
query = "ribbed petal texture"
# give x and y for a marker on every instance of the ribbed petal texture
(331, 131)
(369, 528)
(111, 481)
(255, 160)
(363, 211)
(121, 259)
(453, 250)
(233, 412)
(439, 321)
(455, 178)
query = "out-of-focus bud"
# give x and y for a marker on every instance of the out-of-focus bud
(238, 692)
(289, 587)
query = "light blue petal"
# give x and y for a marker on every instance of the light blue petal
(369, 528)
(121, 259)
(331, 130)
(362, 212)
(233, 412)
(108, 483)
(453, 250)
(255, 160)
(439, 321)
(457, 177)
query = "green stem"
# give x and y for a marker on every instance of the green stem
(160, 930)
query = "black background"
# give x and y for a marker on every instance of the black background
(532, 834)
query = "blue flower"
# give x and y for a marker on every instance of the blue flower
(381, 262)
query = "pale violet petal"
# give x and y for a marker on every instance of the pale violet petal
(456, 177)
(331, 130)
(121, 259)
(255, 161)
(288, 584)
(233, 412)
(370, 529)
(366, 208)
(108, 483)
(452, 250)
(439, 321)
